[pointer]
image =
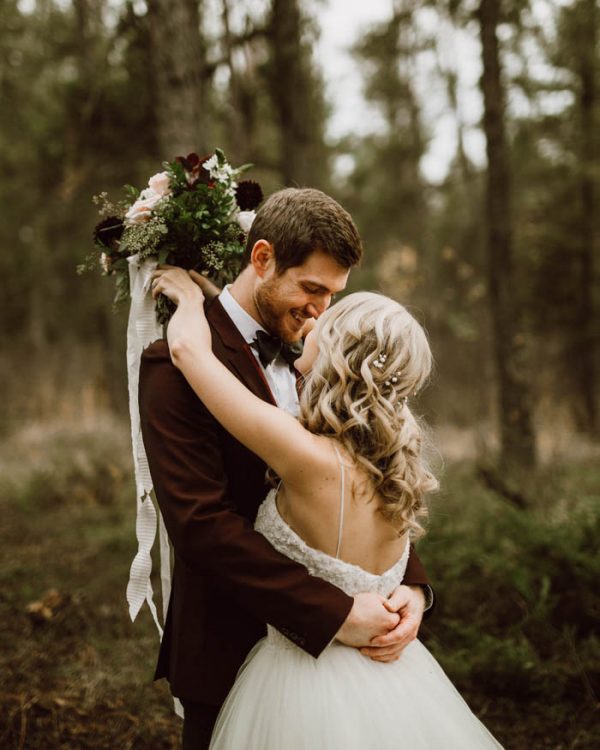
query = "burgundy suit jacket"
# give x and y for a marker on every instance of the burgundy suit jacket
(228, 581)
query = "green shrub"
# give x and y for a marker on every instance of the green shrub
(45, 467)
(517, 590)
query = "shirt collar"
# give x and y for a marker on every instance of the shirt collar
(243, 321)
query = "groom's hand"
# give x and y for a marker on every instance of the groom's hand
(409, 603)
(209, 289)
(369, 617)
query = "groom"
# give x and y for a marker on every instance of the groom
(228, 581)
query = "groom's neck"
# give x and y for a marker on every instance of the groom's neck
(242, 291)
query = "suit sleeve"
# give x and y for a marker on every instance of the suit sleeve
(415, 575)
(183, 445)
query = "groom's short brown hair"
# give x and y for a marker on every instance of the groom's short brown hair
(297, 221)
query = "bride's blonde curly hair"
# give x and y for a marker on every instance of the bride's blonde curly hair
(373, 355)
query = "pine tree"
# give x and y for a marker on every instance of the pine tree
(178, 56)
(296, 91)
(515, 406)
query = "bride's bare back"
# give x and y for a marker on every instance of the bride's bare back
(312, 506)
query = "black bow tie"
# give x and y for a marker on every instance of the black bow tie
(270, 347)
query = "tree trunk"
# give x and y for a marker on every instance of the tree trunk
(242, 111)
(516, 431)
(295, 98)
(587, 378)
(179, 71)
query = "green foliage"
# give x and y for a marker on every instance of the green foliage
(518, 600)
(47, 467)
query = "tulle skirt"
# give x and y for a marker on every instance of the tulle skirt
(284, 699)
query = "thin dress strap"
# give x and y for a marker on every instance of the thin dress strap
(341, 521)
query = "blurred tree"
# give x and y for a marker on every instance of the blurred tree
(451, 17)
(181, 76)
(515, 406)
(68, 129)
(579, 35)
(83, 111)
(458, 308)
(246, 123)
(555, 164)
(241, 112)
(296, 91)
(387, 192)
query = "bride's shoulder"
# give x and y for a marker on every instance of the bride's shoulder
(317, 462)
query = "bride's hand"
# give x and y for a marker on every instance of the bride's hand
(409, 603)
(187, 332)
(176, 284)
(369, 617)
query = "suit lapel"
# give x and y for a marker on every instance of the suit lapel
(236, 353)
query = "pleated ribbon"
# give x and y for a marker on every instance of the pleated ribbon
(142, 330)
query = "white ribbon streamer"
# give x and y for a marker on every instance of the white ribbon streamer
(142, 330)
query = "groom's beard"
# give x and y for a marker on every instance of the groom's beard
(276, 314)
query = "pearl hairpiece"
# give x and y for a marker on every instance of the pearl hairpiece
(379, 363)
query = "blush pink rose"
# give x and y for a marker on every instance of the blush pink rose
(160, 183)
(142, 208)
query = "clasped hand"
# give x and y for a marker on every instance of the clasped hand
(382, 628)
(188, 328)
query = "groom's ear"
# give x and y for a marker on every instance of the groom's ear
(262, 257)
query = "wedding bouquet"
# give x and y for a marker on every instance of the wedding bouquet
(195, 214)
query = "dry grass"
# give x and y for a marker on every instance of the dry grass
(76, 673)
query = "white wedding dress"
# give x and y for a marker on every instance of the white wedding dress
(284, 699)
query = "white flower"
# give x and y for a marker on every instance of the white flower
(211, 164)
(245, 219)
(105, 263)
(160, 183)
(221, 172)
(141, 210)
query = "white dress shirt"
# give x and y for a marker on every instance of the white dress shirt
(280, 378)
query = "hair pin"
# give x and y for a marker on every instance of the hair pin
(379, 364)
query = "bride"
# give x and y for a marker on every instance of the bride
(349, 497)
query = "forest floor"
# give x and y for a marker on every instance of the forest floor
(77, 674)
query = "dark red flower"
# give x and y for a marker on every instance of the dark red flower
(108, 232)
(194, 171)
(248, 195)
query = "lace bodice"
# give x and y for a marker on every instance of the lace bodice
(350, 578)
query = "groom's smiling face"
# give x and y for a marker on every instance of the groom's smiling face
(286, 300)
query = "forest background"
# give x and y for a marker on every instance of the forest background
(498, 258)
